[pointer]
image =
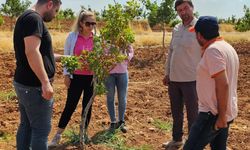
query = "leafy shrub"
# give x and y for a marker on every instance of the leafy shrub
(243, 24)
(1, 20)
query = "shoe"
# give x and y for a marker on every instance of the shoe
(122, 127)
(172, 144)
(112, 127)
(55, 141)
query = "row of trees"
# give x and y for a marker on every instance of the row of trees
(240, 24)
(156, 13)
(14, 8)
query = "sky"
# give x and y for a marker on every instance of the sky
(218, 8)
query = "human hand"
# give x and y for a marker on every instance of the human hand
(165, 80)
(221, 122)
(47, 91)
(67, 81)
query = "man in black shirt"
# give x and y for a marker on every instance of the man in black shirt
(35, 69)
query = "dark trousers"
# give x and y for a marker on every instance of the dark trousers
(180, 94)
(79, 84)
(202, 133)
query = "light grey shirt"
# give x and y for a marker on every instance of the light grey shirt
(69, 47)
(184, 54)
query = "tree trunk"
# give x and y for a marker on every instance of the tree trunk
(83, 128)
(11, 23)
(164, 34)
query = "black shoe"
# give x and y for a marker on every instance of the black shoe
(112, 127)
(121, 126)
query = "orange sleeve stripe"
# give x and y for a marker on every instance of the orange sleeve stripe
(217, 73)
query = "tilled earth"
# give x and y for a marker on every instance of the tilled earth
(147, 101)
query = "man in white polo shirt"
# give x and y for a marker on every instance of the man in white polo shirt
(217, 75)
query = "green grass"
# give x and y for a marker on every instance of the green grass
(162, 125)
(114, 141)
(6, 96)
(5, 136)
(71, 136)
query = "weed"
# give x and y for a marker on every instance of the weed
(71, 136)
(5, 136)
(115, 141)
(162, 125)
(6, 96)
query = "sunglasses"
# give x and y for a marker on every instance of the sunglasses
(88, 24)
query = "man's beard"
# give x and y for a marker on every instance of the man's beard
(47, 17)
(200, 43)
(185, 17)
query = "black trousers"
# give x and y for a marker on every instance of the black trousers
(79, 84)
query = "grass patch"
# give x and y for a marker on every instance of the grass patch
(6, 96)
(236, 36)
(5, 136)
(151, 39)
(142, 38)
(162, 125)
(71, 136)
(115, 141)
(6, 41)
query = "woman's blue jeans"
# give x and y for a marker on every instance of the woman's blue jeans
(119, 82)
(35, 118)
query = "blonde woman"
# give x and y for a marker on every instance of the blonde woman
(79, 82)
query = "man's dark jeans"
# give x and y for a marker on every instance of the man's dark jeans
(180, 94)
(203, 132)
(35, 118)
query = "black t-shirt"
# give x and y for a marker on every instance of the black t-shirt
(31, 23)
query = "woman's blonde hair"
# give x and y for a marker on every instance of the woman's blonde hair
(81, 17)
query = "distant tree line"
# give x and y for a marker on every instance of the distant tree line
(240, 24)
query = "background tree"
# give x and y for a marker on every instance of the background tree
(196, 14)
(14, 8)
(165, 15)
(68, 13)
(151, 12)
(162, 14)
(243, 23)
(1, 20)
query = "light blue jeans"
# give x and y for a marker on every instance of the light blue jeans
(35, 118)
(119, 82)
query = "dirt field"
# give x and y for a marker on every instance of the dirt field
(147, 101)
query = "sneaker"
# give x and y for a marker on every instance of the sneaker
(55, 141)
(112, 127)
(121, 126)
(172, 144)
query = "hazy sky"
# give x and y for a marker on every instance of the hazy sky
(219, 8)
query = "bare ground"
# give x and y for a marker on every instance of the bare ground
(147, 101)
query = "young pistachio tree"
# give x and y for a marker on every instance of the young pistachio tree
(109, 49)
